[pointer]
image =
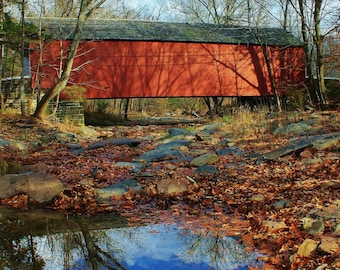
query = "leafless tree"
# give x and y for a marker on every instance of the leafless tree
(87, 7)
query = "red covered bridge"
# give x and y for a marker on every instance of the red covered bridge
(126, 59)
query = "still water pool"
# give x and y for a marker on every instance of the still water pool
(50, 241)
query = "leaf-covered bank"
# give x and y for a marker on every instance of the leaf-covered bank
(234, 181)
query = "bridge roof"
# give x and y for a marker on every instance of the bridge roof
(103, 29)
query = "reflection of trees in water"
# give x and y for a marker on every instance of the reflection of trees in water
(86, 245)
(218, 251)
(17, 252)
(21, 242)
(96, 255)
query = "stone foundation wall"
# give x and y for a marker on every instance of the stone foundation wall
(71, 112)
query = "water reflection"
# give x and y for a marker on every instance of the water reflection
(41, 241)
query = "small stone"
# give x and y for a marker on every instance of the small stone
(208, 158)
(171, 186)
(17, 146)
(307, 223)
(274, 225)
(206, 169)
(307, 247)
(337, 230)
(177, 131)
(281, 204)
(328, 245)
(318, 227)
(257, 198)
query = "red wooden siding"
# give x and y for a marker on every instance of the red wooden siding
(120, 69)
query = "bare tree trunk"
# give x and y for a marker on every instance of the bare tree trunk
(84, 12)
(2, 100)
(271, 76)
(319, 51)
(22, 77)
(312, 88)
(126, 108)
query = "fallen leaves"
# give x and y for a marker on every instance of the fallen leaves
(239, 200)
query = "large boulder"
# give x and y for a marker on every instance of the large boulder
(41, 187)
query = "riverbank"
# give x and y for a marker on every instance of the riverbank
(272, 181)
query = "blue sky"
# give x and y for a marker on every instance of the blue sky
(139, 2)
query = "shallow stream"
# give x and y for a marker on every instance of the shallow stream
(47, 240)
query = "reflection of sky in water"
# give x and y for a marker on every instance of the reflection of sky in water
(150, 247)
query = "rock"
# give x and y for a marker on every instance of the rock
(127, 184)
(317, 227)
(282, 204)
(274, 225)
(134, 167)
(158, 155)
(177, 131)
(172, 186)
(212, 128)
(117, 189)
(326, 140)
(307, 223)
(17, 146)
(116, 141)
(337, 230)
(88, 132)
(301, 127)
(3, 142)
(257, 198)
(328, 245)
(223, 152)
(208, 158)
(104, 194)
(74, 146)
(307, 247)
(295, 147)
(173, 144)
(39, 186)
(206, 169)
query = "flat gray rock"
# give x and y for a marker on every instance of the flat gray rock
(173, 144)
(177, 131)
(326, 140)
(158, 155)
(295, 147)
(301, 127)
(116, 141)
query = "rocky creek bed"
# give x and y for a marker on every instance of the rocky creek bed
(277, 190)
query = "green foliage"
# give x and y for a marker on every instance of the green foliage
(12, 32)
(188, 105)
(101, 105)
